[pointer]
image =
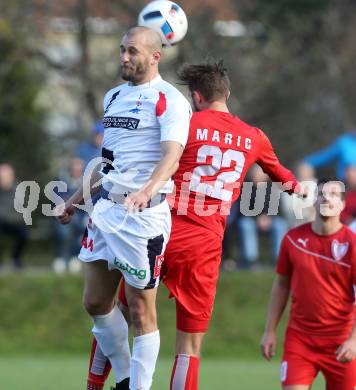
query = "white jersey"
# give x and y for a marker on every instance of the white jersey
(136, 120)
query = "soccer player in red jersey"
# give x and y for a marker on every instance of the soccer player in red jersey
(220, 150)
(317, 266)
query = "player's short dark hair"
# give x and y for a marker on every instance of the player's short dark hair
(325, 180)
(209, 78)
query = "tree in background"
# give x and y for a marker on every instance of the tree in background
(291, 71)
(23, 141)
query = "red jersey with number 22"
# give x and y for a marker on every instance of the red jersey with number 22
(220, 150)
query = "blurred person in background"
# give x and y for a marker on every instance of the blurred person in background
(348, 215)
(11, 222)
(353, 226)
(342, 152)
(67, 238)
(88, 150)
(317, 266)
(250, 227)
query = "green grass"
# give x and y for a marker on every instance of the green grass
(45, 335)
(69, 373)
(44, 314)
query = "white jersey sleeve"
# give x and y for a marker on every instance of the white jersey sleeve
(174, 121)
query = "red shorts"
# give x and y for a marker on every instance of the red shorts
(304, 356)
(190, 271)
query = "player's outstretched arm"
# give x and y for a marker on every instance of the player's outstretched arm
(278, 173)
(165, 169)
(89, 187)
(276, 306)
(347, 350)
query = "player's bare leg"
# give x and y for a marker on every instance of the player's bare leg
(110, 327)
(142, 308)
(100, 286)
(296, 387)
(185, 373)
(188, 343)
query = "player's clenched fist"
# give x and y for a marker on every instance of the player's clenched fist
(64, 212)
(137, 201)
(347, 351)
(268, 345)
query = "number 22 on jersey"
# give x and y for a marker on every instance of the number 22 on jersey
(219, 160)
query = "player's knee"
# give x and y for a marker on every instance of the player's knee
(95, 306)
(189, 343)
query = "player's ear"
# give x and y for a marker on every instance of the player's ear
(227, 95)
(156, 57)
(197, 97)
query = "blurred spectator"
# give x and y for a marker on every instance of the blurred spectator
(248, 228)
(348, 215)
(88, 150)
(67, 238)
(11, 222)
(290, 206)
(353, 226)
(342, 151)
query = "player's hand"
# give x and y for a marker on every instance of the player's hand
(64, 212)
(137, 201)
(302, 190)
(347, 351)
(268, 345)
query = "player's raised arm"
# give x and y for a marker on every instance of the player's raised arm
(173, 113)
(270, 164)
(171, 153)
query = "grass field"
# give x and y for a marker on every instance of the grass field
(69, 373)
(45, 335)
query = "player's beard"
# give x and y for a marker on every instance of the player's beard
(136, 73)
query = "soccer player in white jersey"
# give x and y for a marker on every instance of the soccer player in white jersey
(146, 125)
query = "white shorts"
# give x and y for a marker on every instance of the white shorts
(133, 243)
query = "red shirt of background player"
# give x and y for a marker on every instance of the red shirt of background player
(322, 270)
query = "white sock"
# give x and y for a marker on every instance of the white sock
(111, 333)
(143, 362)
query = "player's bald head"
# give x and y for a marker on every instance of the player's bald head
(140, 54)
(148, 37)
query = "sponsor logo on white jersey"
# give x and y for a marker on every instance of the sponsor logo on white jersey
(339, 249)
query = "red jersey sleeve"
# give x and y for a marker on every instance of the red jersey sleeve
(270, 164)
(354, 269)
(284, 266)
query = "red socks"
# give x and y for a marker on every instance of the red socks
(185, 373)
(99, 368)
